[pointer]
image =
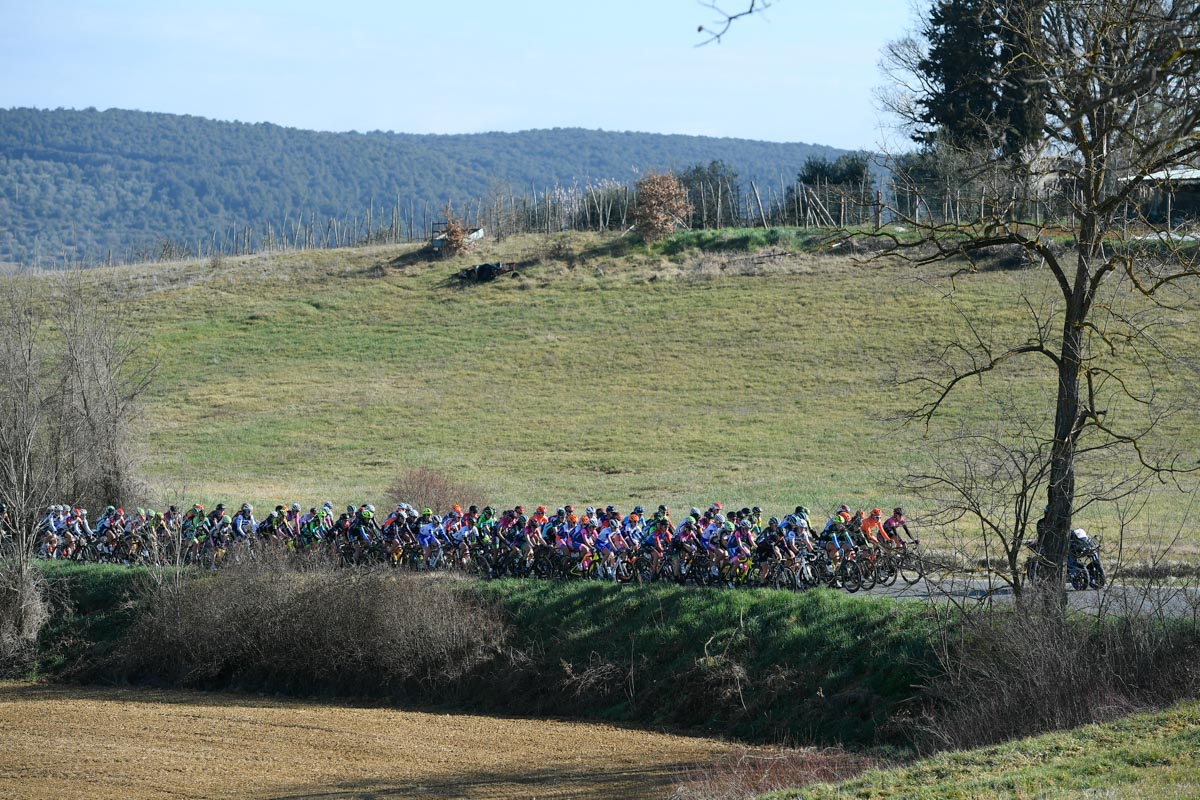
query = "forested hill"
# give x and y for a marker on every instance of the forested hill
(86, 183)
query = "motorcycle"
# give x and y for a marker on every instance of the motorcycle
(1084, 569)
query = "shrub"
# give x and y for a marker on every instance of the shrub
(662, 205)
(427, 488)
(23, 613)
(374, 632)
(455, 235)
(1035, 669)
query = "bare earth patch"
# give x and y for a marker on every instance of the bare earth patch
(61, 742)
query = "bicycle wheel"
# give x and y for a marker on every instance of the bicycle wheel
(851, 576)
(886, 570)
(912, 568)
(867, 570)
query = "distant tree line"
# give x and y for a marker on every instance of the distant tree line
(91, 186)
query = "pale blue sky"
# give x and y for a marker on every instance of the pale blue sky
(801, 71)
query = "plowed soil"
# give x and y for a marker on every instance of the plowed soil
(60, 742)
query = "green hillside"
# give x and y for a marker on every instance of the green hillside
(602, 373)
(1140, 756)
(84, 183)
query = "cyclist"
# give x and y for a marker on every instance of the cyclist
(214, 516)
(427, 535)
(243, 523)
(874, 531)
(896, 522)
(770, 547)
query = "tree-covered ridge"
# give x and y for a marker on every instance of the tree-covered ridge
(83, 183)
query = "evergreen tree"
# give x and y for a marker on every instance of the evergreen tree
(961, 68)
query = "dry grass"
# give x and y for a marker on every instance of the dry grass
(748, 773)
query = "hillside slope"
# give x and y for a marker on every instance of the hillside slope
(87, 182)
(1140, 756)
(601, 373)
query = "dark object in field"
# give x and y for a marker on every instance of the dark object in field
(482, 273)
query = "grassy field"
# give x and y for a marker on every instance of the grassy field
(1141, 756)
(749, 368)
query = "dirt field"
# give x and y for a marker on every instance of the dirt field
(60, 742)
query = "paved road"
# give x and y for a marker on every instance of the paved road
(1116, 598)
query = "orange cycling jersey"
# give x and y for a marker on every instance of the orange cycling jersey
(873, 530)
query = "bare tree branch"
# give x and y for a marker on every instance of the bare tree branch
(722, 25)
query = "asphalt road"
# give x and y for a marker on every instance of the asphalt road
(1116, 598)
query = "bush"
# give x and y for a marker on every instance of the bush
(23, 613)
(373, 632)
(1035, 669)
(662, 205)
(427, 488)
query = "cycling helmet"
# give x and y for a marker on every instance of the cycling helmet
(719, 519)
(898, 510)
(110, 509)
(635, 517)
(279, 508)
(82, 511)
(773, 521)
(519, 509)
(541, 509)
(247, 507)
(844, 507)
(664, 509)
(437, 520)
(639, 510)
(695, 512)
(295, 506)
(715, 507)
(589, 511)
(328, 506)
(350, 509)
(220, 507)
(522, 520)
(367, 513)
(425, 512)
(273, 515)
(744, 524)
(473, 510)
(368, 507)
(875, 512)
(728, 526)
(225, 520)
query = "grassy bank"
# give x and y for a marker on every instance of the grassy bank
(757, 665)
(760, 665)
(1139, 756)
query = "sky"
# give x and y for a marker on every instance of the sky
(801, 71)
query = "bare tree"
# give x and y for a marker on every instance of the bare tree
(725, 19)
(1117, 82)
(72, 379)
